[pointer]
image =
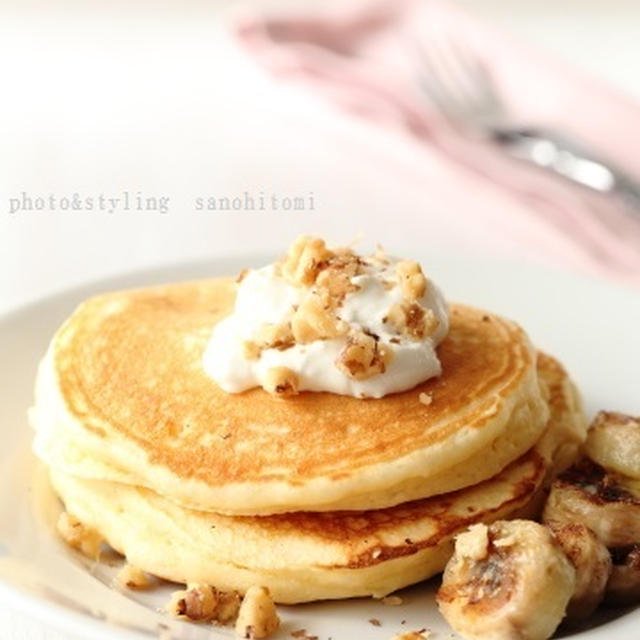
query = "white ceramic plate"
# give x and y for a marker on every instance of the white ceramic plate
(591, 326)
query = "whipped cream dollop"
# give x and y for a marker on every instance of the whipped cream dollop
(330, 320)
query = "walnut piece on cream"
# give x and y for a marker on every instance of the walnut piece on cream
(363, 356)
(275, 336)
(251, 350)
(305, 258)
(411, 278)
(281, 381)
(334, 280)
(313, 321)
(412, 321)
(269, 336)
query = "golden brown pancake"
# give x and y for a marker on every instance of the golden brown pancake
(122, 395)
(566, 414)
(309, 556)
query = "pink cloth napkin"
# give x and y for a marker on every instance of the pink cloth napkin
(365, 59)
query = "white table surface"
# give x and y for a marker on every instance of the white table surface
(115, 99)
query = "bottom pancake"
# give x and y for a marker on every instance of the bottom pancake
(308, 556)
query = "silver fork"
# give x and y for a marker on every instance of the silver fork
(461, 87)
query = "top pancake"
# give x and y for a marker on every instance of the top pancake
(122, 395)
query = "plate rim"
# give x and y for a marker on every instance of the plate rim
(79, 623)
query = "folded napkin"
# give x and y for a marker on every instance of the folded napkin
(366, 59)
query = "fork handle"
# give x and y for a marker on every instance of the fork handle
(561, 155)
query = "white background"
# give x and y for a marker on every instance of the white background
(150, 97)
(128, 97)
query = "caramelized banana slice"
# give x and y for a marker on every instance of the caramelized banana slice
(614, 443)
(508, 580)
(623, 587)
(607, 503)
(592, 562)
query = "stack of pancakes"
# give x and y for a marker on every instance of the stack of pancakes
(316, 496)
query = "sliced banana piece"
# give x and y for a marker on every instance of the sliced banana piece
(623, 587)
(607, 503)
(614, 443)
(507, 580)
(592, 562)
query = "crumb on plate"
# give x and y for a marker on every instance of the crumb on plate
(257, 617)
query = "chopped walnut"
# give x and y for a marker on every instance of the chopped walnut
(202, 602)
(425, 398)
(411, 320)
(257, 617)
(251, 350)
(346, 261)
(281, 381)
(79, 536)
(334, 281)
(133, 578)
(363, 356)
(196, 602)
(228, 606)
(313, 321)
(275, 336)
(269, 336)
(411, 279)
(304, 260)
(333, 285)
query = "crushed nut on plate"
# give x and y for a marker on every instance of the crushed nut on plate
(228, 607)
(203, 602)
(196, 602)
(133, 578)
(79, 536)
(257, 617)
(425, 398)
